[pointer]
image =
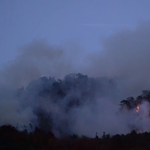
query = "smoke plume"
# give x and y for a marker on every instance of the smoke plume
(77, 103)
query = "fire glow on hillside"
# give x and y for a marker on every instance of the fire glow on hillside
(137, 109)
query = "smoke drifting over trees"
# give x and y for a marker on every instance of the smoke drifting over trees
(78, 103)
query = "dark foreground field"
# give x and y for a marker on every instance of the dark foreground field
(12, 139)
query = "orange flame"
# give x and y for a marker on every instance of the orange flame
(137, 109)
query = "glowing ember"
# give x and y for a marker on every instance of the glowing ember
(137, 109)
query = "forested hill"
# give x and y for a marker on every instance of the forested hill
(76, 104)
(54, 101)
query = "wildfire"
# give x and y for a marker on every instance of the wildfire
(137, 109)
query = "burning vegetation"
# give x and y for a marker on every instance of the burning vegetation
(137, 109)
(66, 106)
(58, 104)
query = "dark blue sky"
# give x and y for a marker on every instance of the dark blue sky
(82, 22)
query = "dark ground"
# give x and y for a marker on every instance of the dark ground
(12, 139)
